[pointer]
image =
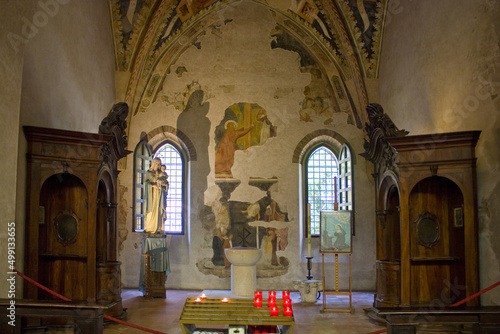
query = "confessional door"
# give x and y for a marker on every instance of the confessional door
(63, 237)
(437, 248)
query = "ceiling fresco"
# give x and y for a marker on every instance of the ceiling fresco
(149, 35)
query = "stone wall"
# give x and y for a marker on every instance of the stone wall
(231, 70)
(439, 73)
(57, 67)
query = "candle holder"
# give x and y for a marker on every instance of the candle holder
(309, 267)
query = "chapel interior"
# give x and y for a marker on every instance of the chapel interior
(253, 106)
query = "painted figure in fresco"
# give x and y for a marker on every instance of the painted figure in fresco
(269, 242)
(154, 199)
(224, 153)
(273, 214)
(228, 243)
(340, 243)
(218, 246)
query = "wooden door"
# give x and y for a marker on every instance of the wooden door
(436, 243)
(63, 237)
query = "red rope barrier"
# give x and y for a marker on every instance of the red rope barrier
(68, 300)
(475, 295)
(42, 287)
(457, 303)
(378, 332)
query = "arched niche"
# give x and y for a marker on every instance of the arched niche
(388, 228)
(105, 219)
(388, 222)
(63, 236)
(437, 240)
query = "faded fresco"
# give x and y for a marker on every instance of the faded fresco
(244, 125)
(322, 98)
(230, 223)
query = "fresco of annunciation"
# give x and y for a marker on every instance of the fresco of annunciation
(244, 125)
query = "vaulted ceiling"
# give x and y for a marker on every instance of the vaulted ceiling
(149, 35)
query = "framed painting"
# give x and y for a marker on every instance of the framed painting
(458, 217)
(335, 231)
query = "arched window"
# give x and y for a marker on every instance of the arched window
(142, 155)
(171, 157)
(345, 179)
(321, 177)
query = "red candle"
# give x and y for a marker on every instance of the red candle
(271, 302)
(285, 295)
(258, 294)
(203, 296)
(288, 312)
(287, 303)
(272, 294)
(274, 311)
(257, 302)
(197, 300)
(224, 300)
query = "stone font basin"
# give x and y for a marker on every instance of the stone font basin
(243, 269)
(243, 256)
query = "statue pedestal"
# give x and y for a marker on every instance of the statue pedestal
(308, 289)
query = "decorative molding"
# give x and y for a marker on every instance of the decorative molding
(377, 148)
(115, 124)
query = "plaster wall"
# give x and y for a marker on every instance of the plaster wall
(57, 67)
(11, 65)
(68, 72)
(439, 72)
(234, 64)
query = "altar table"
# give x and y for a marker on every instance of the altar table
(211, 311)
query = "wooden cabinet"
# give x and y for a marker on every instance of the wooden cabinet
(438, 212)
(426, 214)
(71, 239)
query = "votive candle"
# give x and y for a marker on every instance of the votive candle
(257, 302)
(274, 311)
(287, 312)
(271, 302)
(197, 300)
(258, 294)
(285, 295)
(287, 302)
(272, 294)
(224, 300)
(203, 296)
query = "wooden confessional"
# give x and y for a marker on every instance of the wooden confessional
(426, 214)
(71, 218)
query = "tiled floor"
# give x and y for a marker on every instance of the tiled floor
(163, 314)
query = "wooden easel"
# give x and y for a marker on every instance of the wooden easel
(337, 292)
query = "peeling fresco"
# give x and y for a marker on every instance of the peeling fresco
(231, 223)
(244, 125)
